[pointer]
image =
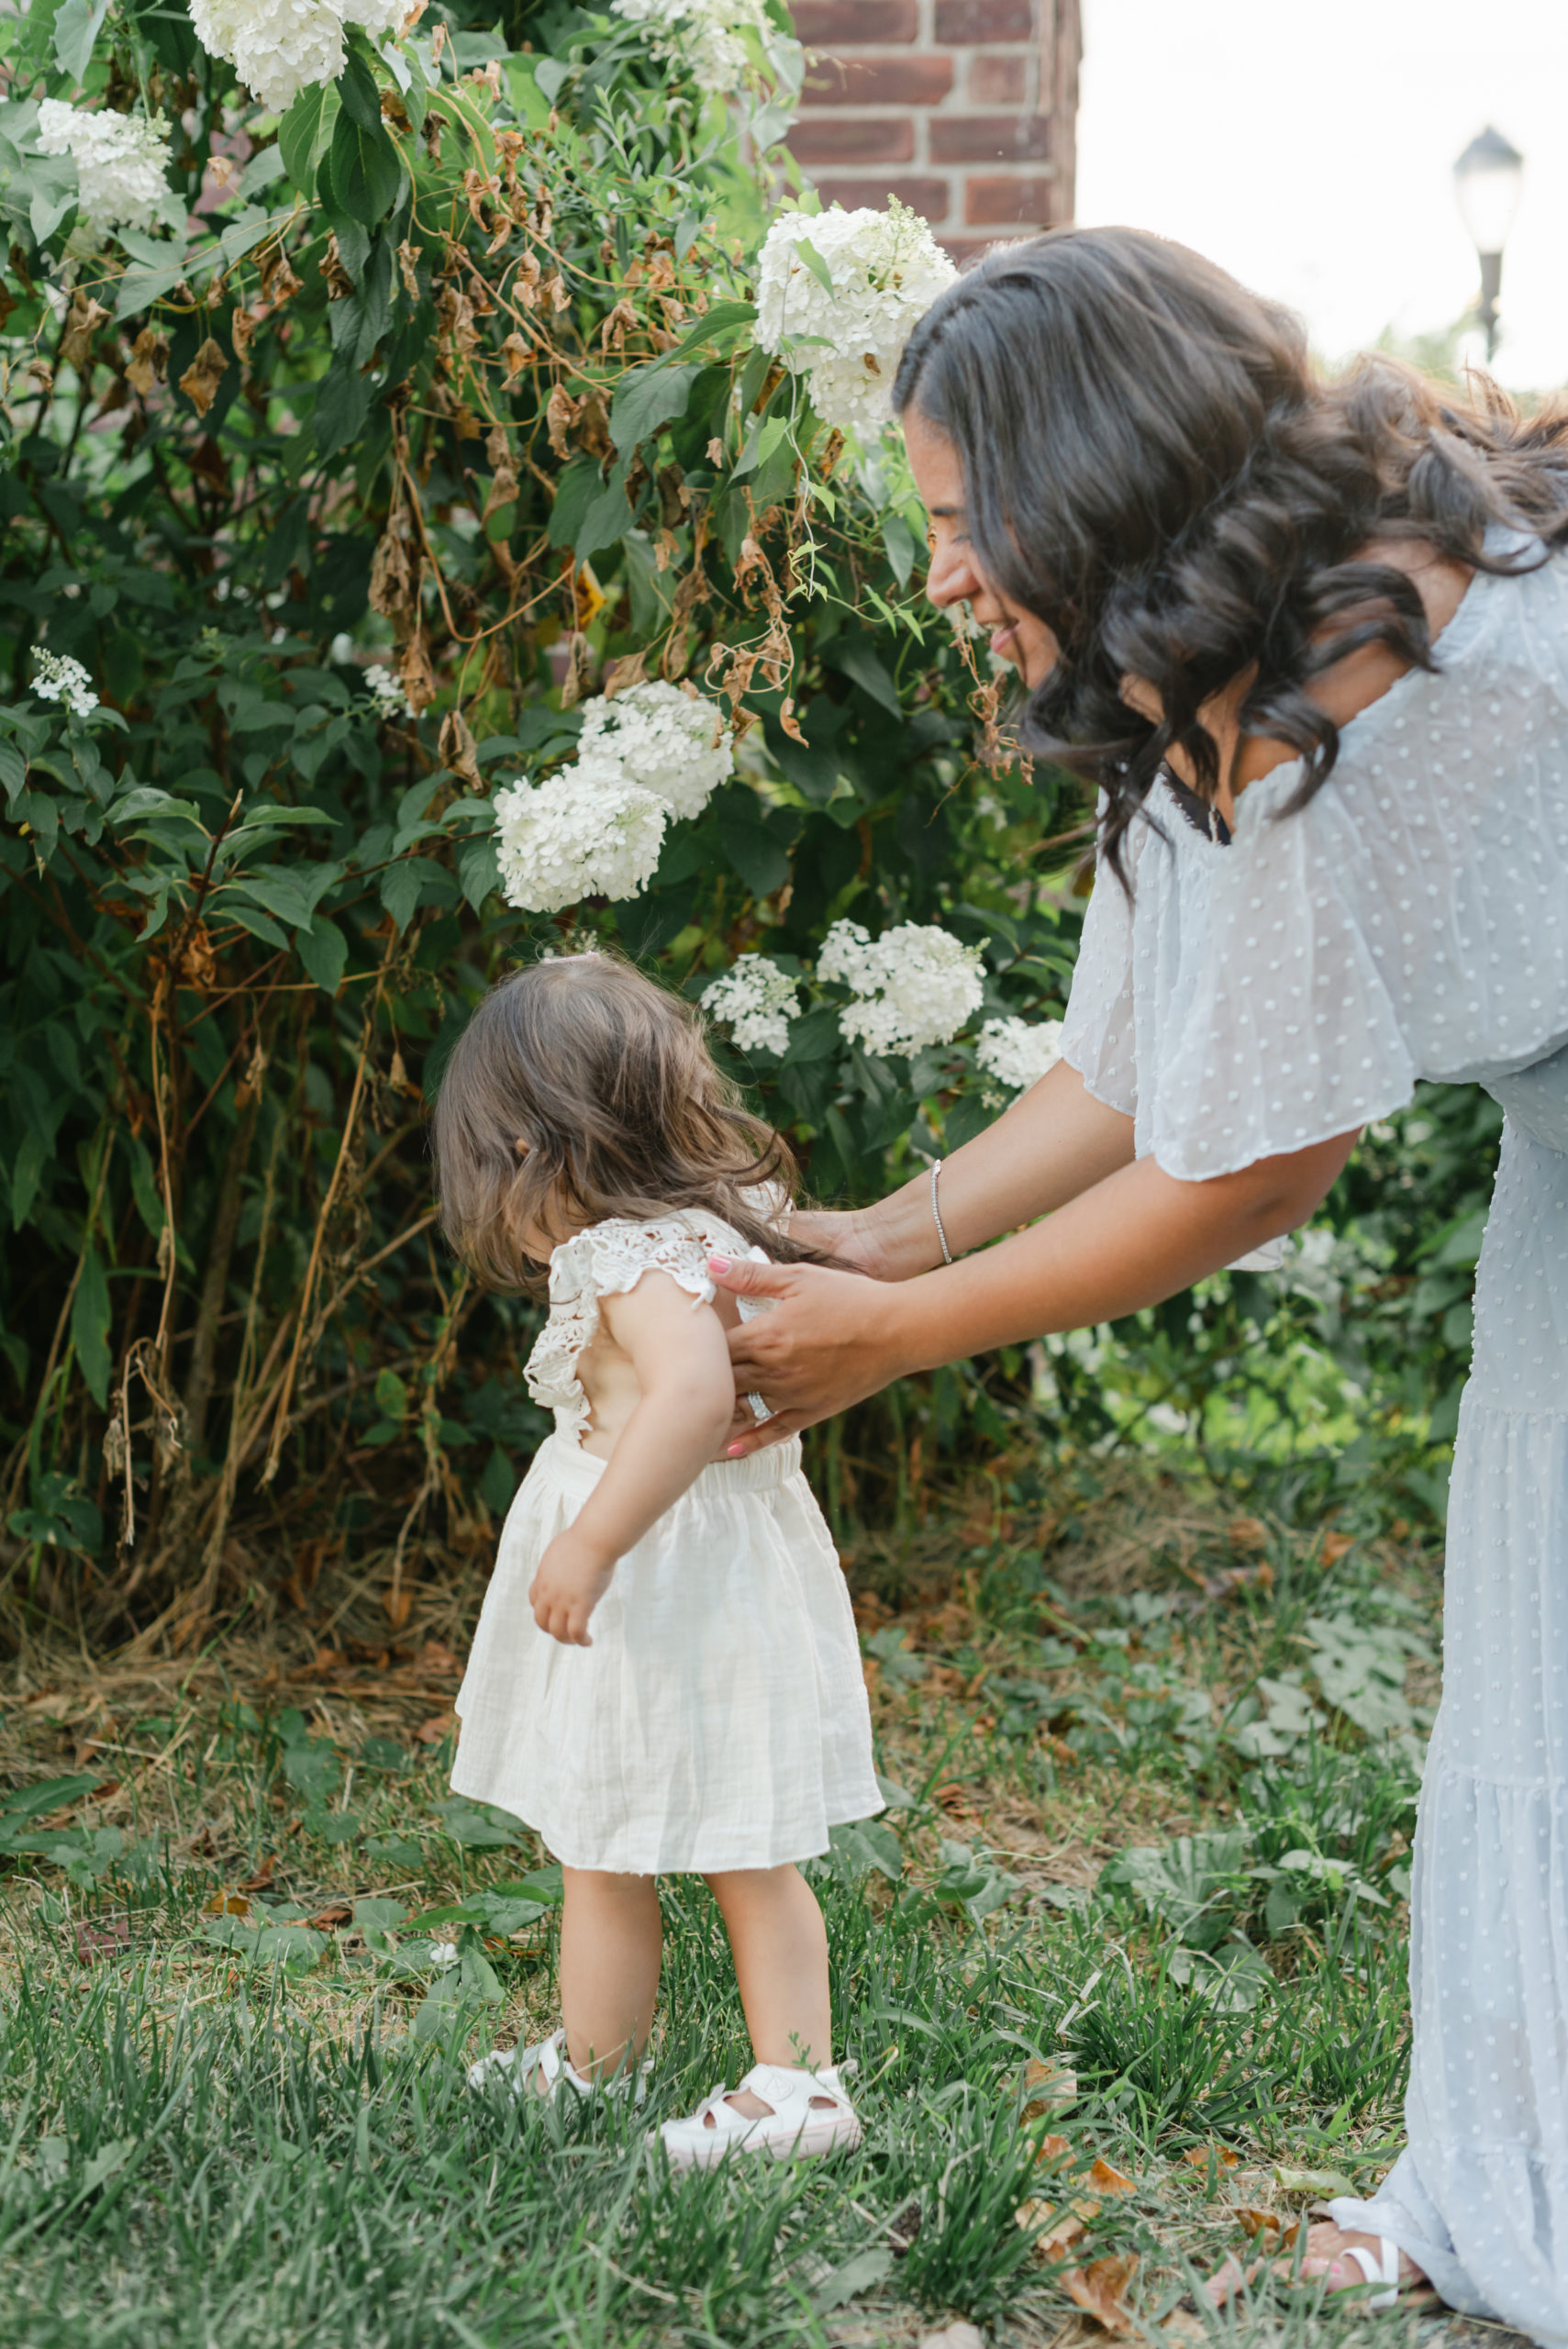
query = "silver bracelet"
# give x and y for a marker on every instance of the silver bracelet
(937, 1213)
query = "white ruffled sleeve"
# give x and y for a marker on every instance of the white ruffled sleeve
(1291, 1035)
(1099, 1034)
(609, 1259)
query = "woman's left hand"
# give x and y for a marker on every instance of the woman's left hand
(827, 1343)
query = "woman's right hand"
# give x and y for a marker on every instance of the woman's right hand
(823, 1344)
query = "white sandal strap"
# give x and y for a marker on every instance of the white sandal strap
(1381, 2266)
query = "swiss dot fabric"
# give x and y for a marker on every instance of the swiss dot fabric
(719, 1719)
(1412, 922)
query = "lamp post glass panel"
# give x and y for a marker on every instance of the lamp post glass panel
(1488, 181)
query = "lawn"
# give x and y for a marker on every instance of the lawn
(1121, 1972)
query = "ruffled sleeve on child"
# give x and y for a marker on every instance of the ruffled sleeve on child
(607, 1260)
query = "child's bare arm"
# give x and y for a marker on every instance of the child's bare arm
(679, 1352)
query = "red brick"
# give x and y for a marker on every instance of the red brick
(879, 81)
(964, 251)
(991, 139)
(999, 81)
(1015, 196)
(852, 139)
(854, 24)
(929, 198)
(961, 21)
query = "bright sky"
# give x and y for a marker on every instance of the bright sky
(1309, 150)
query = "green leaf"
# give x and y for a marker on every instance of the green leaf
(324, 950)
(816, 265)
(400, 885)
(479, 872)
(575, 491)
(361, 173)
(303, 133)
(13, 772)
(646, 399)
(258, 924)
(76, 29)
(90, 1325)
(724, 318)
(358, 92)
(857, 657)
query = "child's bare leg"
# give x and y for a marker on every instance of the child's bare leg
(610, 1942)
(779, 1946)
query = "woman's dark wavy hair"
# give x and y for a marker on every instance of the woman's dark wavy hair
(608, 1081)
(1153, 467)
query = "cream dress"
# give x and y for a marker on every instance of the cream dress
(719, 1719)
(1412, 922)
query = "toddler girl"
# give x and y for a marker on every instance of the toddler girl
(665, 1674)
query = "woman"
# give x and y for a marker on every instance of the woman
(1311, 643)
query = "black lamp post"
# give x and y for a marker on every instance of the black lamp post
(1488, 181)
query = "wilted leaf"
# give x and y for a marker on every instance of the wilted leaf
(1098, 2290)
(227, 1904)
(201, 379)
(1107, 2180)
(1221, 2157)
(1277, 2233)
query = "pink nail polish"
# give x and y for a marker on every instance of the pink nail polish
(736, 1451)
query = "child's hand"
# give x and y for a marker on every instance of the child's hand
(572, 1578)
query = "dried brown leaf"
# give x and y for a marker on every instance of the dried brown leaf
(1098, 2290)
(202, 377)
(1107, 2180)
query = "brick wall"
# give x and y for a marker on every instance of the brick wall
(961, 108)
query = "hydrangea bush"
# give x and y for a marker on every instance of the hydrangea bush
(433, 536)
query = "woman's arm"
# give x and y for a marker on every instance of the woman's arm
(1135, 1237)
(1055, 1141)
(676, 1428)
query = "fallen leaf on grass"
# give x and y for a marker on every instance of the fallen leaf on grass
(439, 1725)
(104, 1940)
(1182, 2325)
(1247, 1533)
(1061, 2222)
(1051, 2149)
(1107, 2180)
(1230, 2279)
(1200, 2157)
(228, 1904)
(1335, 1546)
(1050, 2088)
(1320, 2184)
(262, 1877)
(1098, 2290)
(337, 1912)
(1269, 2226)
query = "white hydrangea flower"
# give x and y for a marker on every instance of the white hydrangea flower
(57, 677)
(443, 1953)
(121, 161)
(914, 986)
(277, 47)
(1019, 1051)
(758, 999)
(701, 38)
(385, 691)
(587, 832)
(887, 269)
(677, 748)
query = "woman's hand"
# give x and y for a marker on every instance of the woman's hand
(825, 1342)
(848, 1236)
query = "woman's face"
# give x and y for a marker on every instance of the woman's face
(954, 576)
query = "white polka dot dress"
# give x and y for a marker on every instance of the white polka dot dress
(1412, 922)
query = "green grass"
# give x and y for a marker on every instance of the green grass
(269, 2142)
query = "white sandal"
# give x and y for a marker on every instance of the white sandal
(809, 2114)
(543, 2071)
(1379, 2266)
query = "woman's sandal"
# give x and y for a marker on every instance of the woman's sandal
(807, 2114)
(1381, 2267)
(544, 2070)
